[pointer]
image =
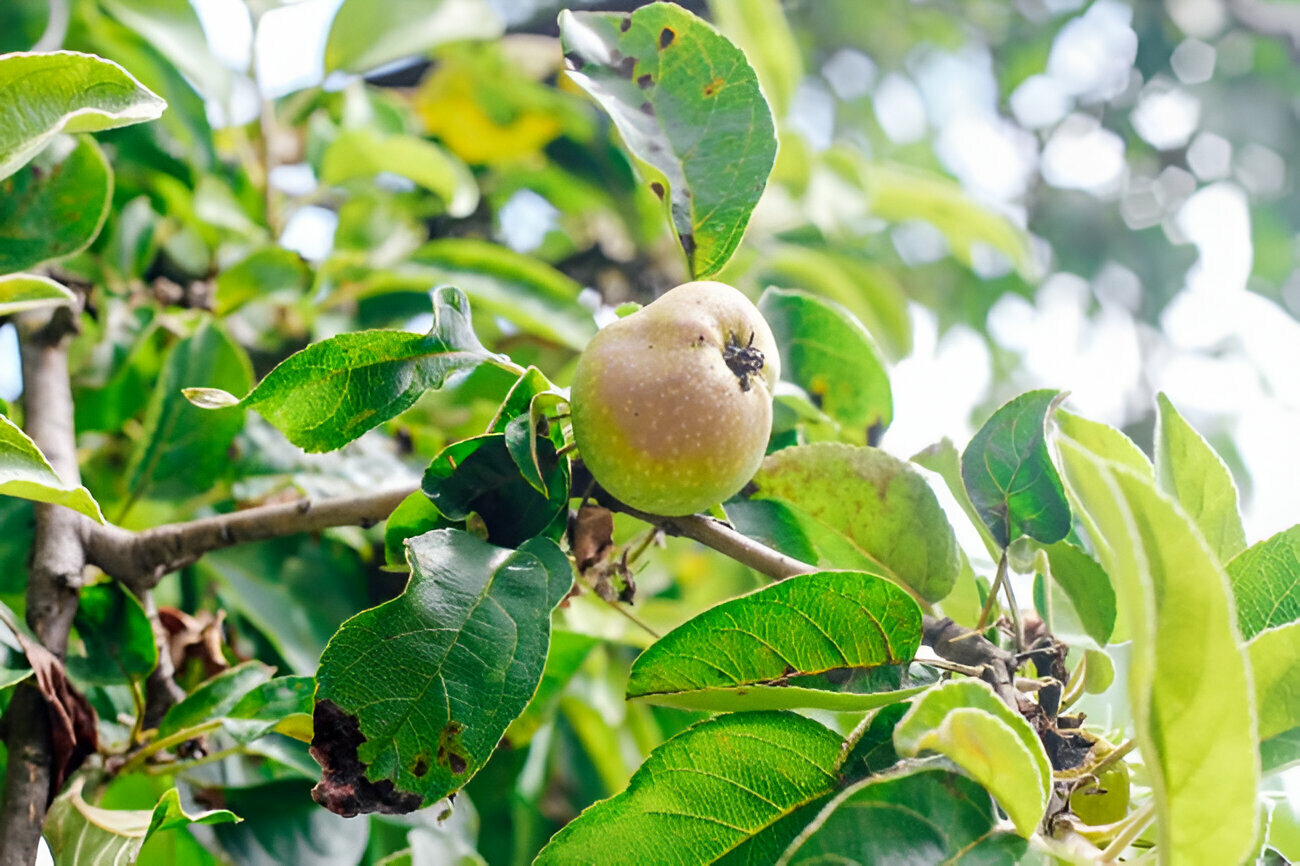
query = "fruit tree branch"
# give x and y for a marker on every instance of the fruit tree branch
(54, 580)
(141, 559)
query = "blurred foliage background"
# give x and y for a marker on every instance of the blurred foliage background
(1096, 196)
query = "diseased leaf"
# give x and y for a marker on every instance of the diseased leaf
(879, 504)
(333, 391)
(965, 720)
(186, 449)
(79, 833)
(25, 473)
(1009, 473)
(928, 814)
(811, 623)
(688, 104)
(1191, 472)
(1266, 583)
(364, 152)
(1275, 670)
(701, 796)
(365, 35)
(1187, 678)
(19, 292)
(56, 205)
(43, 94)
(828, 353)
(414, 695)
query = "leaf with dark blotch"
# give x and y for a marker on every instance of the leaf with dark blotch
(709, 794)
(687, 103)
(333, 391)
(826, 351)
(482, 476)
(926, 815)
(811, 623)
(1009, 474)
(1266, 583)
(414, 695)
(877, 507)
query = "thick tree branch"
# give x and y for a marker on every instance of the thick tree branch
(54, 580)
(141, 559)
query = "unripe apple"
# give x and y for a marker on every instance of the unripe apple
(672, 405)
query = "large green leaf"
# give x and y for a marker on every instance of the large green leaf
(213, 699)
(365, 34)
(80, 833)
(415, 694)
(365, 152)
(878, 503)
(968, 722)
(826, 351)
(1191, 472)
(42, 95)
(807, 624)
(688, 104)
(1275, 670)
(1009, 473)
(701, 796)
(120, 644)
(333, 391)
(25, 473)
(943, 458)
(1104, 441)
(55, 206)
(185, 448)
(926, 814)
(19, 292)
(1188, 677)
(1266, 583)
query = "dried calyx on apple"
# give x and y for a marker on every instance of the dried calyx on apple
(672, 405)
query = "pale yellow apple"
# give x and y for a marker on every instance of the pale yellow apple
(672, 405)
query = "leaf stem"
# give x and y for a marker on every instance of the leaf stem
(993, 592)
(137, 760)
(1134, 824)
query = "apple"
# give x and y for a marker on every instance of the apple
(672, 405)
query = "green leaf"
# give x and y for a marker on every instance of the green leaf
(878, 503)
(120, 645)
(567, 653)
(826, 351)
(19, 292)
(213, 699)
(79, 833)
(927, 814)
(1188, 679)
(268, 705)
(431, 679)
(708, 791)
(1275, 669)
(365, 152)
(1192, 473)
(330, 393)
(944, 459)
(365, 35)
(1087, 586)
(42, 95)
(185, 449)
(172, 28)
(968, 722)
(1009, 473)
(261, 274)
(25, 473)
(1266, 583)
(415, 515)
(480, 476)
(1104, 441)
(811, 623)
(687, 103)
(55, 206)
(282, 826)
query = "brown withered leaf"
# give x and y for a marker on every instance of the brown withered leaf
(73, 732)
(195, 638)
(591, 536)
(344, 788)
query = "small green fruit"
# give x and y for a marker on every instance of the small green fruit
(672, 405)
